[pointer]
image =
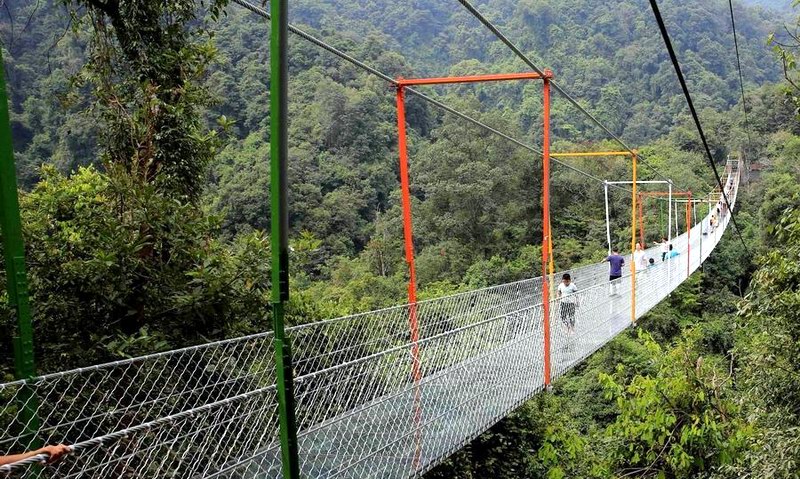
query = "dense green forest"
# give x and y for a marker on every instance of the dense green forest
(141, 135)
(774, 4)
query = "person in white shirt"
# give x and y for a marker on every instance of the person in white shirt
(664, 248)
(639, 258)
(569, 302)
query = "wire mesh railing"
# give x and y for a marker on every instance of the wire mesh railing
(369, 402)
(91, 407)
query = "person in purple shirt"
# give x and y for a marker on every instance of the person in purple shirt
(615, 271)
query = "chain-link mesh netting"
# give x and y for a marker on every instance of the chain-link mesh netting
(370, 403)
(191, 401)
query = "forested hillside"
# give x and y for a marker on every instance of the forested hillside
(343, 119)
(608, 53)
(775, 4)
(618, 68)
(141, 135)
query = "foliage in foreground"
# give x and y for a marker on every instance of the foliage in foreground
(769, 355)
(117, 269)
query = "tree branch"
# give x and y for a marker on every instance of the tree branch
(786, 72)
(110, 8)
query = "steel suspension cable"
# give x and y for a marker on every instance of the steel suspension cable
(741, 77)
(496, 31)
(348, 58)
(662, 27)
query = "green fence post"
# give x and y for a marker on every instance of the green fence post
(280, 235)
(16, 276)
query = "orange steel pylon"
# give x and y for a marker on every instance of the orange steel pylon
(408, 237)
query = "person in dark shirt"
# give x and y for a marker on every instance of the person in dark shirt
(616, 262)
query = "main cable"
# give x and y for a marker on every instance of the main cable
(682, 80)
(496, 31)
(344, 56)
(741, 78)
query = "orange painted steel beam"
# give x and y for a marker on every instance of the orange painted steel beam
(592, 153)
(402, 82)
(408, 240)
(546, 230)
(408, 235)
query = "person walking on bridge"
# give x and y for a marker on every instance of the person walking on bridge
(639, 258)
(672, 253)
(664, 248)
(569, 302)
(615, 263)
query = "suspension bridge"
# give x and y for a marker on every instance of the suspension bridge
(382, 394)
(211, 410)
